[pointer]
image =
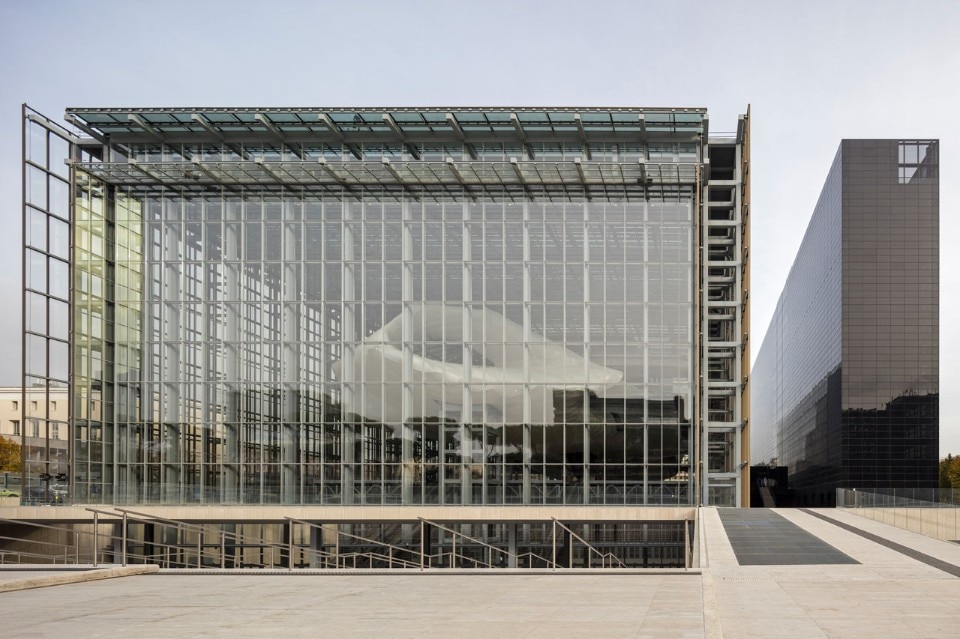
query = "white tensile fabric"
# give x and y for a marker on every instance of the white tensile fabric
(494, 389)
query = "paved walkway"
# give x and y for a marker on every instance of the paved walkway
(419, 606)
(889, 593)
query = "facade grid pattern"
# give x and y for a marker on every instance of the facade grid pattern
(846, 383)
(405, 307)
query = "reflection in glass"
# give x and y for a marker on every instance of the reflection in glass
(426, 373)
(846, 384)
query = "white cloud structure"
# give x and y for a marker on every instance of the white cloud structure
(510, 386)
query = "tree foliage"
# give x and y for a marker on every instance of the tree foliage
(950, 472)
(10, 458)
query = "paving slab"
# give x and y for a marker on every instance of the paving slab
(349, 606)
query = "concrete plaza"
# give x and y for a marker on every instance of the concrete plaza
(894, 590)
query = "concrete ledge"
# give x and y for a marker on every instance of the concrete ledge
(77, 577)
(399, 572)
(711, 610)
(354, 514)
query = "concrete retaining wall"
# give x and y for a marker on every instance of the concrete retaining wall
(939, 523)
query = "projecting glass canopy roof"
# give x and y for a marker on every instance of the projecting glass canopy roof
(409, 174)
(460, 123)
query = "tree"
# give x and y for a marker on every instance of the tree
(950, 472)
(10, 457)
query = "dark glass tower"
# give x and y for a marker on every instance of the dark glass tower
(846, 383)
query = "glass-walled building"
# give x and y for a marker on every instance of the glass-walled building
(846, 384)
(342, 307)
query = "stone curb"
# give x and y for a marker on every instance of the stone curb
(77, 577)
(712, 629)
(438, 572)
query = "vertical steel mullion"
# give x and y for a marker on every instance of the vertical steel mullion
(703, 459)
(646, 351)
(23, 299)
(406, 362)
(587, 327)
(527, 456)
(46, 328)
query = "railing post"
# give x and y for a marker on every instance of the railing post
(223, 549)
(123, 549)
(686, 544)
(96, 538)
(423, 527)
(289, 544)
(554, 544)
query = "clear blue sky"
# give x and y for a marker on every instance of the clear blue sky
(814, 72)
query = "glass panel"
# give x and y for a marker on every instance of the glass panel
(37, 271)
(36, 356)
(36, 144)
(59, 152)
(59, 279)
(36, 187)
(37, 229)
(59, 238)
(59, 319)
(59, 198)
(59, 360)
(36, 313)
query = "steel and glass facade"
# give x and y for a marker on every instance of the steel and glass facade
(846, 384)
(350, 307)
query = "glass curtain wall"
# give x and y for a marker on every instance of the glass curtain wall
(400, 348)
(46, 314)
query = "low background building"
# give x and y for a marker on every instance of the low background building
(43, 436)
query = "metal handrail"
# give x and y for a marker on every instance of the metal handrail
(375, 555)
(180, 525)
(125, 551)
(533, 555)
(589, 547)
(23, 553)
(346, 534)
(479, 541)
(75, 533)
(461, 534)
